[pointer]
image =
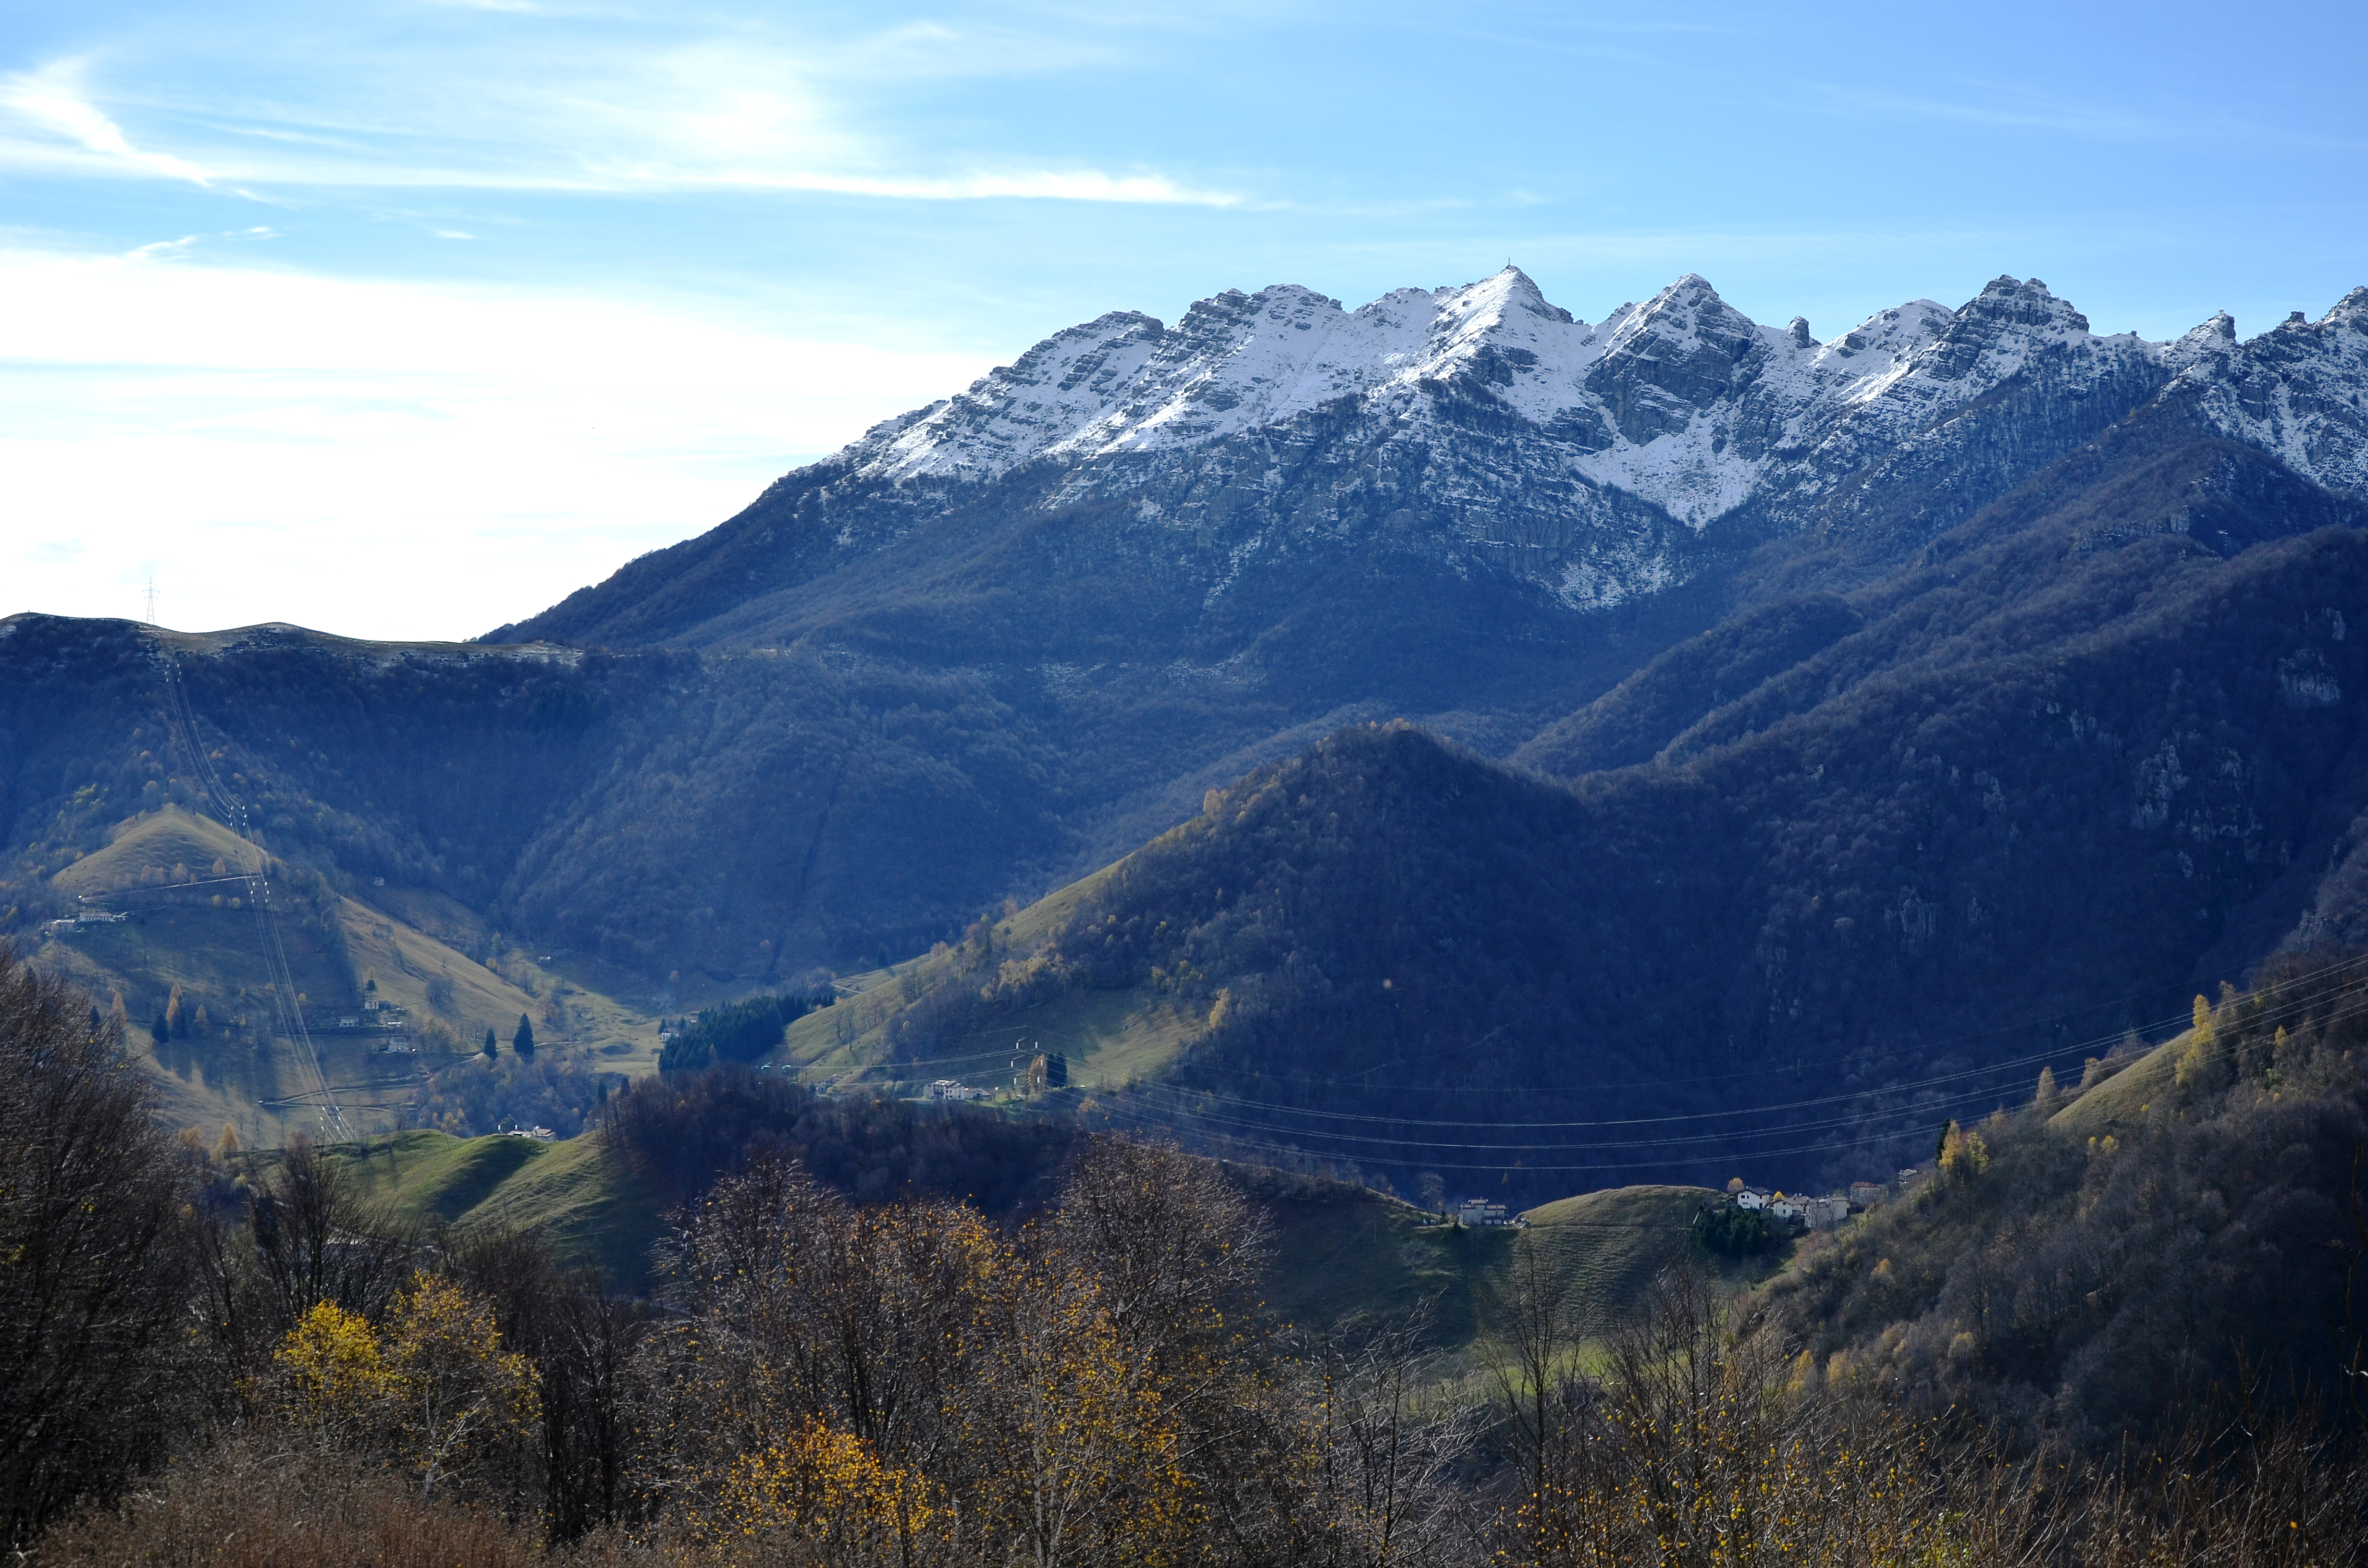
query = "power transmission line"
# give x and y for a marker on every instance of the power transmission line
(280, 985)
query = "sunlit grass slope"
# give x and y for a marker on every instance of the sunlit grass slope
(1347, 1258)
(403, 939)
(577, 1194)
(2122, 1100)
(1109, 1036)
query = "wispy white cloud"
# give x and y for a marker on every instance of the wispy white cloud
(52, 99)
(162, 250)
(755, 113)
(1049, 184)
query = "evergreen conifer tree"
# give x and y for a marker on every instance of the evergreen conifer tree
(523, 1041)
(493, 1046)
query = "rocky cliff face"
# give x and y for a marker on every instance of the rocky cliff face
(1483, 430)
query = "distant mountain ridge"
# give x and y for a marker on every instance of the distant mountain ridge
(1486, 430)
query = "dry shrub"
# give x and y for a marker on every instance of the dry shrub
(243, 1505)
(2254, 1489)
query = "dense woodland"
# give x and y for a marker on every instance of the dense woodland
(684, 1130)
(745, 1030)
(2085, 1279)
(209, 1360)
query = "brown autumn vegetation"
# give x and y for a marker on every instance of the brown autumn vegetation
(210, 1369)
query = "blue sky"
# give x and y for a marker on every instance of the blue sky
(404, 318)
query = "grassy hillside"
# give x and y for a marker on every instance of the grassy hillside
(408, 964)
(577, 1194)
(183, 930)
(2127, 1099)
(1346, 1257)
(1109, 1037)
(1611, 1243)
(162, 841)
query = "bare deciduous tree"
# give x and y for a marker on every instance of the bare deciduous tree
(94, 1257)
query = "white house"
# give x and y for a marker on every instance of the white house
(1784, 1208)
(1752, 1197)
(1480, 1211)
(1825, 1213)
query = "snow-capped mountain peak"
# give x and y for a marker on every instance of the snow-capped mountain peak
(1491, 402)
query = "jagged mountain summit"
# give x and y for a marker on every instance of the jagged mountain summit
(1681, 401)
(1483, 430)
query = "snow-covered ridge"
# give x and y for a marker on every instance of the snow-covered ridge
(2299, 391)
(1681, 401)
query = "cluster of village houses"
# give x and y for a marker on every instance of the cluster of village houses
(1818, 1213)
(1045, 1070)
(88, 918)
(1823, 1213)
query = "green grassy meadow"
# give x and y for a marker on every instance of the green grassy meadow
(1345, 1258)
(576, 1194)
(238, 1071)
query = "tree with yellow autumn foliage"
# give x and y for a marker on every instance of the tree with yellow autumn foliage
(1964, 1153)
(821, 1495)
(435, 1393)
(1079, 1458)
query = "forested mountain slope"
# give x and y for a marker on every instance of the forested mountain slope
(2189, 1229)
(730, 820)
(2065, 769)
